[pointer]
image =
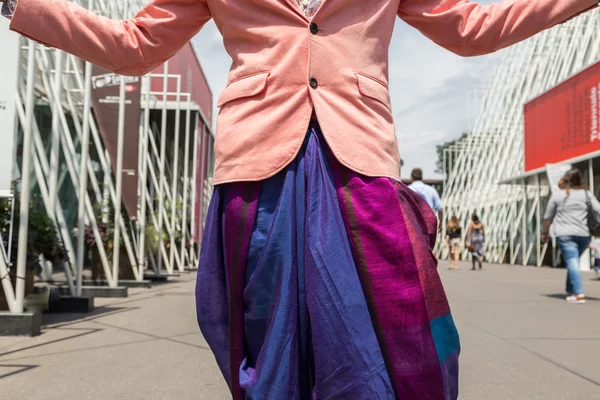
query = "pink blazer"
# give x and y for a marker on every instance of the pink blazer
(284, 65)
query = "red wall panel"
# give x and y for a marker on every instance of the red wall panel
(186, 64)
(563, 123)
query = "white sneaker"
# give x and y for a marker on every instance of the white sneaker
(576, 299)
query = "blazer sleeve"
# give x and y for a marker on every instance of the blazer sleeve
(131, 47)
(471, 29)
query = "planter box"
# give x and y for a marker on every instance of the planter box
(98, 291)
(125, 267)
(20, 324)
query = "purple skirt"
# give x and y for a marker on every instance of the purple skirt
(320, 283)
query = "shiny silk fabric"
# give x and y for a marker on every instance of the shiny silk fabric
(320, 283)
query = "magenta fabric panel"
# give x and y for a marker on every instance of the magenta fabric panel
(423, 222)
(241, 202)
(385, 229)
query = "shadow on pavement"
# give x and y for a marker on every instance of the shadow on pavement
(16, 369)
(64, 322)
(561, 296)
(62, 319)
(79, 333)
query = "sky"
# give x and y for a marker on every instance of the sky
(434, 92)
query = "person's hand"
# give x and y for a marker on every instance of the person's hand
(545, 238)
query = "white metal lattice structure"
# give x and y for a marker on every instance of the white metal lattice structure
(167, 170)
(493, 152)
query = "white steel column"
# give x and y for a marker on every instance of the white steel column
(25, 178)
(56, 109)
(119, 182)
(198, 133)
(175, 178)
(162, 178)
(186, 185)
(143, 182)
(203, 175)
(56, 106)
(83, 172)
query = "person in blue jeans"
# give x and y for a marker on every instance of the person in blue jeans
(567, 213)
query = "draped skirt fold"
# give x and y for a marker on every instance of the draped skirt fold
(320, 283)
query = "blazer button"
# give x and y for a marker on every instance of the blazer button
(313, 83)
(314, 28)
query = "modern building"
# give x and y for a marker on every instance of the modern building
(541, 108)
(88, 142)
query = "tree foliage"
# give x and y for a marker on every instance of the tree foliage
(439, 165)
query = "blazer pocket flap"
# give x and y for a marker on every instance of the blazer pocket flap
(244, 87)
(374, 89)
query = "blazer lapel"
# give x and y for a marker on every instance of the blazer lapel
(294, 4)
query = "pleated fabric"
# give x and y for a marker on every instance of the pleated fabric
(320, 283)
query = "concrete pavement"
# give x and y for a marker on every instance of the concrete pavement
(147, 346)
(520, 340)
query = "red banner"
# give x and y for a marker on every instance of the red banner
(105, 101)
(563, 123)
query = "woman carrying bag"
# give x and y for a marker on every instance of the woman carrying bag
(476, 238)
(571, 211)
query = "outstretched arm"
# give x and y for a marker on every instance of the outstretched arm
(131, 47)
(471, 29)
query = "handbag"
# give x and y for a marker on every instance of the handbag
(593, 220)
(471, 247)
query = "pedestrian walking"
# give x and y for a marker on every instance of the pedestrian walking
(316, 277)
(453, 241)
(595, 246)
(427, 192)
(568, 212)
(476, 240)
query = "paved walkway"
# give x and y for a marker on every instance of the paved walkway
(521, 341)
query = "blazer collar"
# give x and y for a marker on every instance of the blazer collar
(294, 4)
